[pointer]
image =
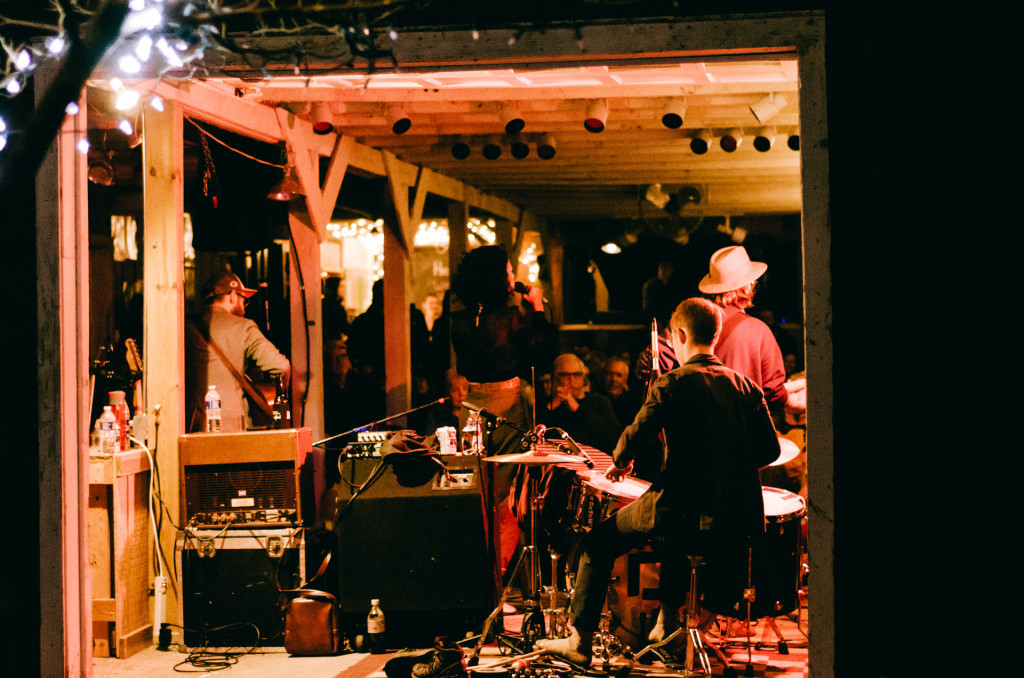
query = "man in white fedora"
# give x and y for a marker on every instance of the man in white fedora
(746, 345)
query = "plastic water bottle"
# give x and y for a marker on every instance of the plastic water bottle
(472, 434)
(109, 435)
(375, 628)
(212, 410)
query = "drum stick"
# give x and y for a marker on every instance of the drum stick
(509, 660)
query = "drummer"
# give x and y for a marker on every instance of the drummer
(719, 434)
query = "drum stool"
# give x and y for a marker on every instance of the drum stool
(696, 644)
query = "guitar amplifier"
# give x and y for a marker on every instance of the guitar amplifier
(233, 585)
(249, 479)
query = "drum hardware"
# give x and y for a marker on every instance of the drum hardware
(696, 644)
(764, 596)
(532, 628)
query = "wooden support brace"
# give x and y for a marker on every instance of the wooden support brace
(304, 150)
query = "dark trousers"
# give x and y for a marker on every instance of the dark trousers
(614, 537)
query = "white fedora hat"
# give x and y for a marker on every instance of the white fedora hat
(731, 268)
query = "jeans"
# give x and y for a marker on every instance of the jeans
(614, 537)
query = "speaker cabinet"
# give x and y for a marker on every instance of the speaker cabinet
(231, 582)
(416, 538)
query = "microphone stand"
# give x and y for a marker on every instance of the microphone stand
(360, 429)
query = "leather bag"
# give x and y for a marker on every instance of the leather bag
(311, 624)
(311, 621)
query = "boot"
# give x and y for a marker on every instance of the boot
(577, 648)
(446, 661)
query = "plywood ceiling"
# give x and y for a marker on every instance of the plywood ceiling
(592, 175)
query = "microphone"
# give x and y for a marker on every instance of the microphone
(524, 289)
(490, 416)
(576, 449)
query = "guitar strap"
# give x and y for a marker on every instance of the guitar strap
(246, 386)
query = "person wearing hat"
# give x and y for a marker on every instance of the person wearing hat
(747, 344)
(223, 326)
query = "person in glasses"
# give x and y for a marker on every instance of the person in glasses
(223, 326)
(586, 416)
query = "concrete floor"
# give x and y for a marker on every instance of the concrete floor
(274, 661)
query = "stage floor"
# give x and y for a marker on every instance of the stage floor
(767, 662)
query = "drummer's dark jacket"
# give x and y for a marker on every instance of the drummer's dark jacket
(718, 434)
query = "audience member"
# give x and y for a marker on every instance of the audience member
(788, 344)
(334, 316)
(587, 417)
(448, 413)
(661, 293)
(625, 401)
(366, 335)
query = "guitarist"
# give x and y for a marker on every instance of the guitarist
(221, 346)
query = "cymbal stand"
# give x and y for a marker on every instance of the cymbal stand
(533, 617)
(487, 630)
(555, 611)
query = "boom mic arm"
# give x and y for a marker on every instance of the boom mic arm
(574, 448)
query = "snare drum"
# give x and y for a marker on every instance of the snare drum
(592, 498)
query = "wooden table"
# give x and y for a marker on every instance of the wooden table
(119, 553)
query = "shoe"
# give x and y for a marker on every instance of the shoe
(664, 627)
(446, 661)
(574, 648)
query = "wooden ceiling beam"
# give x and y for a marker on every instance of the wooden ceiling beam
(211, 103)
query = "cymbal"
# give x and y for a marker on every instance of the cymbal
(532, 457)
(790, 450)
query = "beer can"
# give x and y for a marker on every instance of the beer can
(448, 439)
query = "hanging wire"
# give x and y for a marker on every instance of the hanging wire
(206, 134)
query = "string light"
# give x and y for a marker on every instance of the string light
(126, 99)
(529, 258)
(71, 108)
(144, 48)
(125, 126)
(23, 60)
(55, 44)
(129, 64)
(83, 146)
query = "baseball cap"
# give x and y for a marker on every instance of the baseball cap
(225, 283)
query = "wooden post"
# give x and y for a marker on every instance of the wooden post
(818, 345)
(397, 335)
(62, 263)
(458, 217)
(307, 356)
(164, 310)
